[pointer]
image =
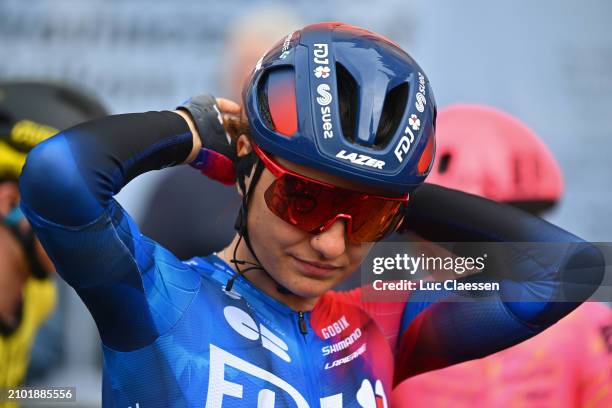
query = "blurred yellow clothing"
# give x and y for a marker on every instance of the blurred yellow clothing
(39, 299)
(567, 365)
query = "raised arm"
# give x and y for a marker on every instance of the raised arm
(435, 334)
(134, 288)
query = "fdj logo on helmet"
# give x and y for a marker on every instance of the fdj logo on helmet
(324, 98)
(320, 52)
(404, 144)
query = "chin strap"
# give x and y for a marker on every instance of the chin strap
(243, 167)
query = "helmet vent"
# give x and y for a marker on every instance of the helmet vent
(348, 96)
(391, 116)
(443, 163)
(262, 102)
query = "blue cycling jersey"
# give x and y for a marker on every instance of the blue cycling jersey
(173, 337)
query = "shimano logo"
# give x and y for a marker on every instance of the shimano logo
(361, 159)
(343, 344)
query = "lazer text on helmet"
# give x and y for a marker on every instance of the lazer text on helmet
(360, 159)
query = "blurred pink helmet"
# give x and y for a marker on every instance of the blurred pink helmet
(484, 151)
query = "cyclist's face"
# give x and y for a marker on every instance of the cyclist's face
(13, 273)
(9, 199)
(306, 264)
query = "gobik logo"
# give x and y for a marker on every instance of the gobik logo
(243, 324)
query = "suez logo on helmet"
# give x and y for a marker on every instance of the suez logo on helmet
(324, 98)
(420, 96)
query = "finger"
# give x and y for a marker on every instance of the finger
(235, 125)
(228, 106)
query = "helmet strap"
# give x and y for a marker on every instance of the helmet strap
(244, 167)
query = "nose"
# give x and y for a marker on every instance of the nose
(331, 243)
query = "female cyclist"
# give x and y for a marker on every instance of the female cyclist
(340, 134)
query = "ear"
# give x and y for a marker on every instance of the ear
(243, 146)
(9, 197)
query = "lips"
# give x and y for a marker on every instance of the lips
(314, 269)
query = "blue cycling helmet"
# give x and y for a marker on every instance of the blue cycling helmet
(346, 101)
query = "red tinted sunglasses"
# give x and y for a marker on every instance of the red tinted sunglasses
(313, 206)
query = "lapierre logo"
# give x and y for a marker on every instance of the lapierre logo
(348, 358)
(320, 54)
(360, 159)
(244, 325)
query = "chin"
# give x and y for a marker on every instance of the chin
(309, 288)
(308, 292)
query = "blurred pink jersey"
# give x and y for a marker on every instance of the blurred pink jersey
(568, 365)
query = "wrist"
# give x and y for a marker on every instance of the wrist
(196, 141)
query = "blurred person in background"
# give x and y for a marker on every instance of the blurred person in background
(30, 112)
(186, 233)
(489, 153)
